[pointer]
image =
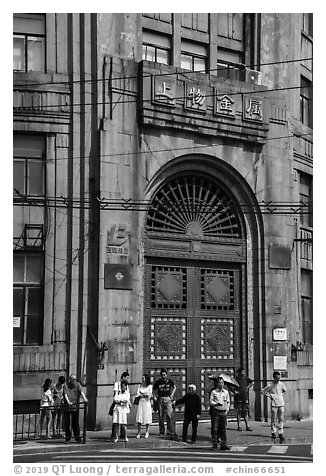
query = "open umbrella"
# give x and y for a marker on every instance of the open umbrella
(229, 380)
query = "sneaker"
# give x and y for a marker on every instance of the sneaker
(192, 442)
(79, 440)
(146, 435)
(161, 435)
(126, 439)
(138, 435)
(214, 448)
(115, 439)
(248, 428)
(224, 447)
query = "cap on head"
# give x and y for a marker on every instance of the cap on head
(72, 377)
(192, 386)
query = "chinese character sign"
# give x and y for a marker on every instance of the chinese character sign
(224, 105)
(195, 98)
(164, 91)
(253, 108)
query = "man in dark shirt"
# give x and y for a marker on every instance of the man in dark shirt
(163, 392)
(241, 398)
(192, 411)
(72, 391)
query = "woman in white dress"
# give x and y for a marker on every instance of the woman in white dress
(144, 410)
(120, 412)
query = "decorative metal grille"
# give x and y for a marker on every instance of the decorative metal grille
(217, 289)
(168, 287)
(195, 207)
(217, 338)
(168, 338)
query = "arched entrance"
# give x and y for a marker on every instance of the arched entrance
(195, 314)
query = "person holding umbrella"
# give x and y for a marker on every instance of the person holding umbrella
(241, 398)
(219, 406)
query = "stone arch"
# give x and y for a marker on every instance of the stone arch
(179, 187)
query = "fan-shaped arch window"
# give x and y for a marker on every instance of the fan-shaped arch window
(193, 206)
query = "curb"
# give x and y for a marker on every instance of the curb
(72, 447)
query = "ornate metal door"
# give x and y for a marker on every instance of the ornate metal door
(194, 307)
(192, 322)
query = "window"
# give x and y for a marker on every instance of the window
(29, 42)
(307, 25)
(230, 25)
(28, 299)
(229, 64)
(306, 102)
(156, 48)
(29, 165)
(193, 56)
(306, 199)
(230, 45)
(306, 306)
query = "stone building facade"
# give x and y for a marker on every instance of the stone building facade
(163, 201)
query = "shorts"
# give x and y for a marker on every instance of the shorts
(241, 407)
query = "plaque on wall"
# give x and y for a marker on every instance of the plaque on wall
(279, 257)
(117, 276)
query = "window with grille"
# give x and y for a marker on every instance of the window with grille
(28, 299)
(156, 48)
(29, 165)
(195, 207)
(29, 42)
(306, 306)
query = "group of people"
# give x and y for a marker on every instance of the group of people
(57, 401)
(63, 399)
(160, 397)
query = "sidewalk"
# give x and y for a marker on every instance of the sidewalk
(296, 432)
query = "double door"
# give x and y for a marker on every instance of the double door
(193, 322)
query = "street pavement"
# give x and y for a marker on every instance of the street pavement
(246, 445)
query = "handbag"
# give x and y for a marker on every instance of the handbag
(111, 409)
(136, 401)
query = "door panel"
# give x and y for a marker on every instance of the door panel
(192, 322)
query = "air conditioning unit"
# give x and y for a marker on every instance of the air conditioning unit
(253, 76)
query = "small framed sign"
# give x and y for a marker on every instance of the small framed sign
(280, 362)
(280, 333)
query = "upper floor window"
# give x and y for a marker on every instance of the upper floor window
(230, 45)
(229, 64)
(306, 101)
(306, 199)
(307, 25)
(230, 25)
(29, 42)
(29, 165)
(306, 306)
(28, 298)
(193, 56)
(156, 48)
